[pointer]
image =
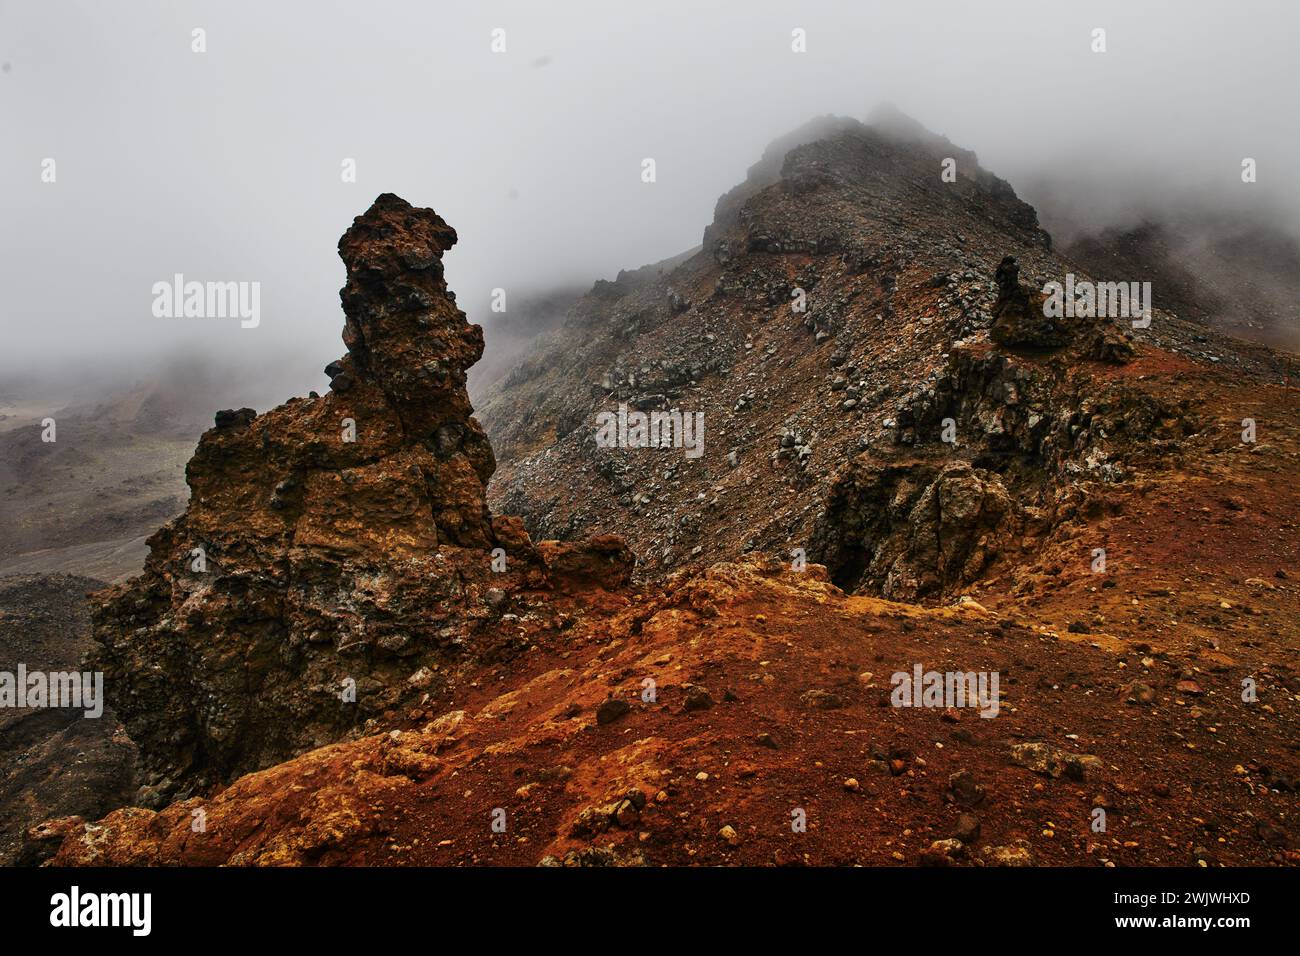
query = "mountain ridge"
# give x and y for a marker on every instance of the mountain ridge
(918, 472)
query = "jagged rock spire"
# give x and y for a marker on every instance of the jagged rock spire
(333, 546)
(403, 327)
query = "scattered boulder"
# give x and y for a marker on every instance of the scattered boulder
(821, 700)
(943, 853)
(968, 828)
(964, 790)
(696, 698)
(611, 710)
(596, 856)
(1052, 761)
(1017, 855)
(1140, 692)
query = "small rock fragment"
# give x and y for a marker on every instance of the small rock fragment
(611, 710)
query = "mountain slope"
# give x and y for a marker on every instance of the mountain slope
(815, 421)
(771, 704)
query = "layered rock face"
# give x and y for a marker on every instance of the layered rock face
(338, 557)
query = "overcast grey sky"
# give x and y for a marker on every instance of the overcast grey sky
(225, 165)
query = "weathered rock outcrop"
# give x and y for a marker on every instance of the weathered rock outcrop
(982, 453)
(338, 556)
(913, 528)
(1020, 321)
(1018, 318)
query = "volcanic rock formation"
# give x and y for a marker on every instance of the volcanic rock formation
(1018, 318)
(853, 326)
(337, 557)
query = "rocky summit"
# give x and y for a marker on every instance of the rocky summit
(953, 580)
(337, 561)
(879, 383)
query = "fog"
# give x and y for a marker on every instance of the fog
(226, 165)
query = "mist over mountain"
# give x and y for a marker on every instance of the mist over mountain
(227, 165)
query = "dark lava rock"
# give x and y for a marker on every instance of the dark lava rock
(968, 828)
(611, 710)
(697, 698)
(821, 700)
(229, 417)
(1018, 319)
(963, 790)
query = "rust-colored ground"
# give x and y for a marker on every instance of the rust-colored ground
(1197, 775)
